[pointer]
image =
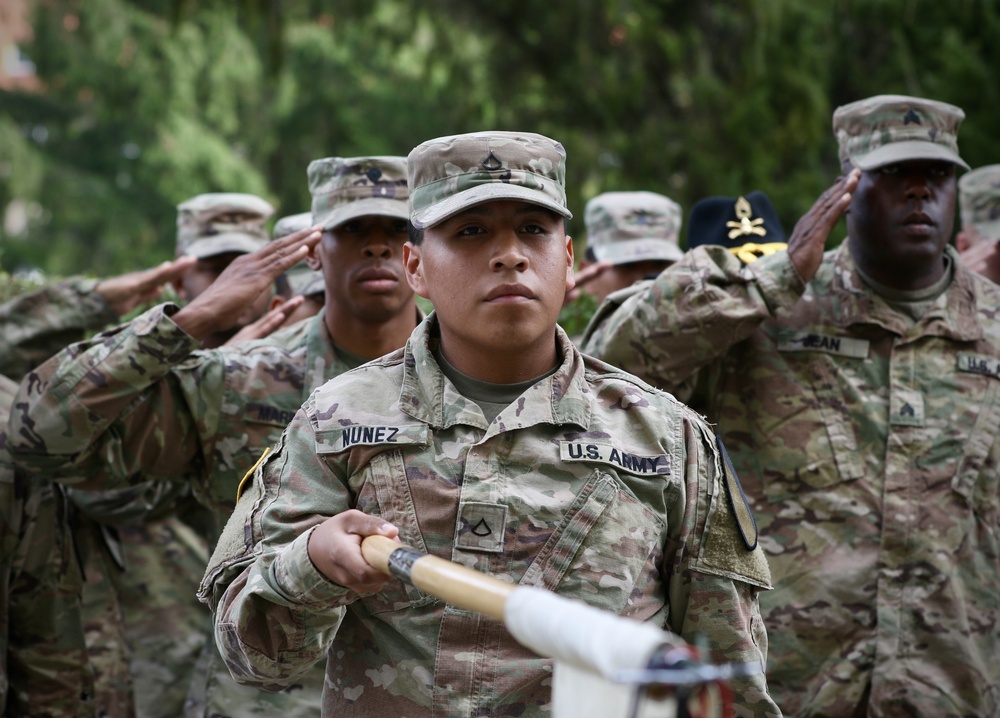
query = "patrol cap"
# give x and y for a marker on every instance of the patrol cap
(221, 222)
(303, 280)
(451, 174)
(979, 198)
(884, 129)
(345, 188)
(747, 226)
(627, 227)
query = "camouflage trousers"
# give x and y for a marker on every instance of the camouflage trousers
(44, 660)
(145, 628)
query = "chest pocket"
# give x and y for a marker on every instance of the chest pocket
(386, 493)
(803, 436)
(609, 544)
(976, 479)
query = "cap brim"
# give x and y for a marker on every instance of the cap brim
(447, 208)
(224, 244)
(376, 206)
(903, 152)
(639, 250)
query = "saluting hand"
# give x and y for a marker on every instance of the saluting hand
(585, 276)
(128, 291)
(219, 307)
(983, 258)
(805, 247)
(335, 550)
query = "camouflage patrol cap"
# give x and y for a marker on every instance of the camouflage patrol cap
(627, 227)
(881, 130)
(979, 198)
(303, 280)
(221, 222)
(345, 188)
(450, 174)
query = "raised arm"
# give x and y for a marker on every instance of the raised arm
(666, 329)
(139, 398)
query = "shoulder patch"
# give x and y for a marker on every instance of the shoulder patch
(827, 343)
(334, 441)
(738, 503)
(601, 453)
(979, 364)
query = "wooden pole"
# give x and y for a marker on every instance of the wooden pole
(455, 584)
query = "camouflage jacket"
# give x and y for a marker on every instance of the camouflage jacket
(43, 660)
(139, 402)
(37, 325)
(591, 484)
(868, 445)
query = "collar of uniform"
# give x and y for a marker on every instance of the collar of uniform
(954, 318)
(425, 391)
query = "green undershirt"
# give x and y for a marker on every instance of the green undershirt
(491, 398)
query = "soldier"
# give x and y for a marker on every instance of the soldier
(630, 236)
(979, 240)
(305, 282)
(44, 668)
(215, 229)
(489, 440)
(858, 392)
(159, 406)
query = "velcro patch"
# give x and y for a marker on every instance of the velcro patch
(265, 414)
(481, 526)
(738, 500)
(978, 364)
(334, 441)
(812, 342)
(906, 408)
(590, 451)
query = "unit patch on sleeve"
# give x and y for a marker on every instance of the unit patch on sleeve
(738, 500)
(591, 451)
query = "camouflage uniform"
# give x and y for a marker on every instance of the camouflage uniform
(142, 402)
(38, 324)
(591, 484)
(43, 659)
(867, 442)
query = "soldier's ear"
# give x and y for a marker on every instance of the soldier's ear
(413, 263)
(313, 260)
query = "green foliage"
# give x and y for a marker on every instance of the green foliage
(146, 104)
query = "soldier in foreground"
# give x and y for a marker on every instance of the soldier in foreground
(142, 398)
(979, 240)
(491, 441)
(858, 392)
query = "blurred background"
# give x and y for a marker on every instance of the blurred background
(114, 111)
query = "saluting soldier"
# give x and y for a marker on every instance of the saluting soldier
(979, 240)
(143, 400)
(858, 392)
